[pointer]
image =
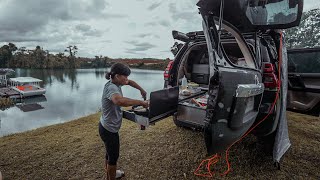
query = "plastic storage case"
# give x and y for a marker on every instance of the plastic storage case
(200, 73)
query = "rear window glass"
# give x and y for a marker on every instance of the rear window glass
(304, 62)
(272, 12)
(234, 54)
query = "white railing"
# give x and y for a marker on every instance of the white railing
(3, 79)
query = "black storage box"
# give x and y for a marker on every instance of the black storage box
(200, 73)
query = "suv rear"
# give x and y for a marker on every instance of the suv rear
(232, 67)
(195, 54)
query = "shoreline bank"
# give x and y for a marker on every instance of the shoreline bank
(73, 150)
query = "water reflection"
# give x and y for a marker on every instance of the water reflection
(27, 104)
(31, 104)
(70, 94)
(48, 75)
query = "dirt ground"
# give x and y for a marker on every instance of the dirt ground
(74, 150)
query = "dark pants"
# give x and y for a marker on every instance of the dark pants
(112, 144)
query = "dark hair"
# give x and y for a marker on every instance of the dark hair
(118, 68)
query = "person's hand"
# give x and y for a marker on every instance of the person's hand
(145, 104)
(143, 94)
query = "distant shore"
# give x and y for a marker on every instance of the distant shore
(154, 66)
(74, 150)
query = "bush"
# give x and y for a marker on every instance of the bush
(5, 102)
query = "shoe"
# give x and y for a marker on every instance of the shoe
(119, 174)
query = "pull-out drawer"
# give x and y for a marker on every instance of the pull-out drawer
(144, 119)
(191, 112)
(163, 103)
(191, 115)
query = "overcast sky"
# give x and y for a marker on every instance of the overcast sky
(114, 28)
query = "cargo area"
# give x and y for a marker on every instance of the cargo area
(187, 102)
(195, 67)
(193, 98)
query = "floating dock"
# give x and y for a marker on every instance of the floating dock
(20, 87)
(6, 92)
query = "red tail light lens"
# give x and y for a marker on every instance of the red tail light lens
(268, 68)
(169, 66)
(270, 80)
(166, 71)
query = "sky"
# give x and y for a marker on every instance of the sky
(113, 28)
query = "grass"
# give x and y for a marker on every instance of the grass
(74, 150)
(5, 102)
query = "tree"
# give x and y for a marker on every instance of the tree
(39, 57)
(6, 53)
(12, 47)
(47, 58)
(72, 50)
(72, 53)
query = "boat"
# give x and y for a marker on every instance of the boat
(27, 86)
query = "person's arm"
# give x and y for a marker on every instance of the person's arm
(136, 85)
(125, 102)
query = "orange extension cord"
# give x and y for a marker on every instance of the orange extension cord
(215, 158)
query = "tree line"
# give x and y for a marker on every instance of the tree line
(13, 57)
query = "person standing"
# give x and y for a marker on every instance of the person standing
(111, 118)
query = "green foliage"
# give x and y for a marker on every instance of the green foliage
(72, 53)
(307, 34)
(6, 53)
(140, 64)
(13, 57)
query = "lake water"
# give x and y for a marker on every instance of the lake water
(71, 94)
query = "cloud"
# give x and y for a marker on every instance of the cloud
(132, 25)
(186, 11)
(184, 15)
(97, 5)
(35, 14)
(135, 53)
(310, 4)
(83, 27)
(165, 51)
(52, 50)
(94, 33)
(172, 8)
(164, 23)
(34, 17)
(150, 24)
(139, 46)
(88, 31)
(20, 39)
(106, 41)
(154, 6)
(12, 36)
(143, 35)
(132, 42)
(114, 15)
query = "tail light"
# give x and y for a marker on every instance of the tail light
(167, 70)
(270, 80)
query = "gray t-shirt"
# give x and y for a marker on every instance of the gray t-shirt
(111, 117)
